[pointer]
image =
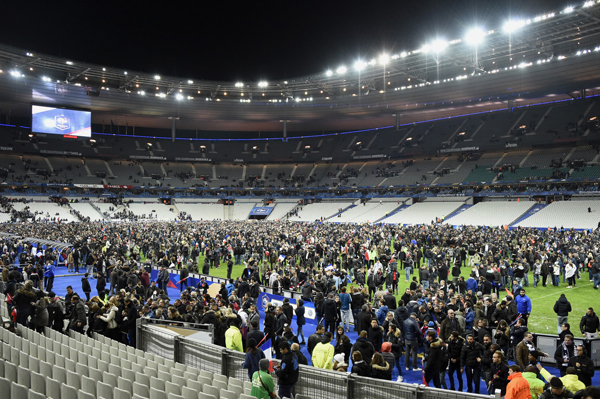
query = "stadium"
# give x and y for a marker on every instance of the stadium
(489, 143)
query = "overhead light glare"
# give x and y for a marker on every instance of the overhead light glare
(341, 70)
(384, 59)
(262, 84)
(239, 84)
(328, 73)
(360, 65)
(156, 77)
(439, 45)
(475, 36)
(568, 10)
(513, 25)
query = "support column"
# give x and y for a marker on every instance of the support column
(397, 125)
(173, 130)
(510, 105)
(284, 129)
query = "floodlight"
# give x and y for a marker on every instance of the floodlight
(190, 82)
(262, 84)
(46, 79)
(403, 54)
(384, 59)
(475, 36)
(179, 96)
(328, 73)
(360, 65)
(157, 77)
(15, 74)
(439, 45)
(513, 25)
(239, 84)
(425, 48)
(568, 10)
(341, 70)
(588, 3)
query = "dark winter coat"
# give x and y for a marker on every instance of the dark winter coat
(562, 307)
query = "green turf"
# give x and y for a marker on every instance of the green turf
(543, 318)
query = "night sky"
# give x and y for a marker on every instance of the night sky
(246, 41)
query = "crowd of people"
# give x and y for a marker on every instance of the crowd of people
(349, 272)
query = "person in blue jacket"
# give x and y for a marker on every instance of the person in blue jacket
(49, 275)
(523, 305)
(472, 285)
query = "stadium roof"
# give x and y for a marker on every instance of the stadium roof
(552, 54)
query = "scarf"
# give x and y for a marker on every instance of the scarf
(565, 355)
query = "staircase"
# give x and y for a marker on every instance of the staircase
(99, 211)
(457, 212)
(395, 211)
(342, 211)
(531, 211)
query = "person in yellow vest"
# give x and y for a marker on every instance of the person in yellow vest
(570, 380)
(322, 356)
(536, 386)
(233, 336)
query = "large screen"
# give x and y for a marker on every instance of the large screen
(66, 122)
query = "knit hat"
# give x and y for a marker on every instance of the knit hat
(339, 358)
(431, 324)
(556, 382)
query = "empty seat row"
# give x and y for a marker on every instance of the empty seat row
(136, 380)
(97, 361)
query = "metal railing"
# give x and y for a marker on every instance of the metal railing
(313, 382)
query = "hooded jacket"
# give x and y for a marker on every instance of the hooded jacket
(517, 388)
(365, 347)
(562, 307)
(536, 386)
(383, 371)
(434, 358)
(322, 355)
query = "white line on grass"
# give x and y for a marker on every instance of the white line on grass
(559, 292)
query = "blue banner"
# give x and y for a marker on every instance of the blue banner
(309, 313)
(261, 211)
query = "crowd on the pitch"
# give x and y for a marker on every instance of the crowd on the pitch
(349, 272)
